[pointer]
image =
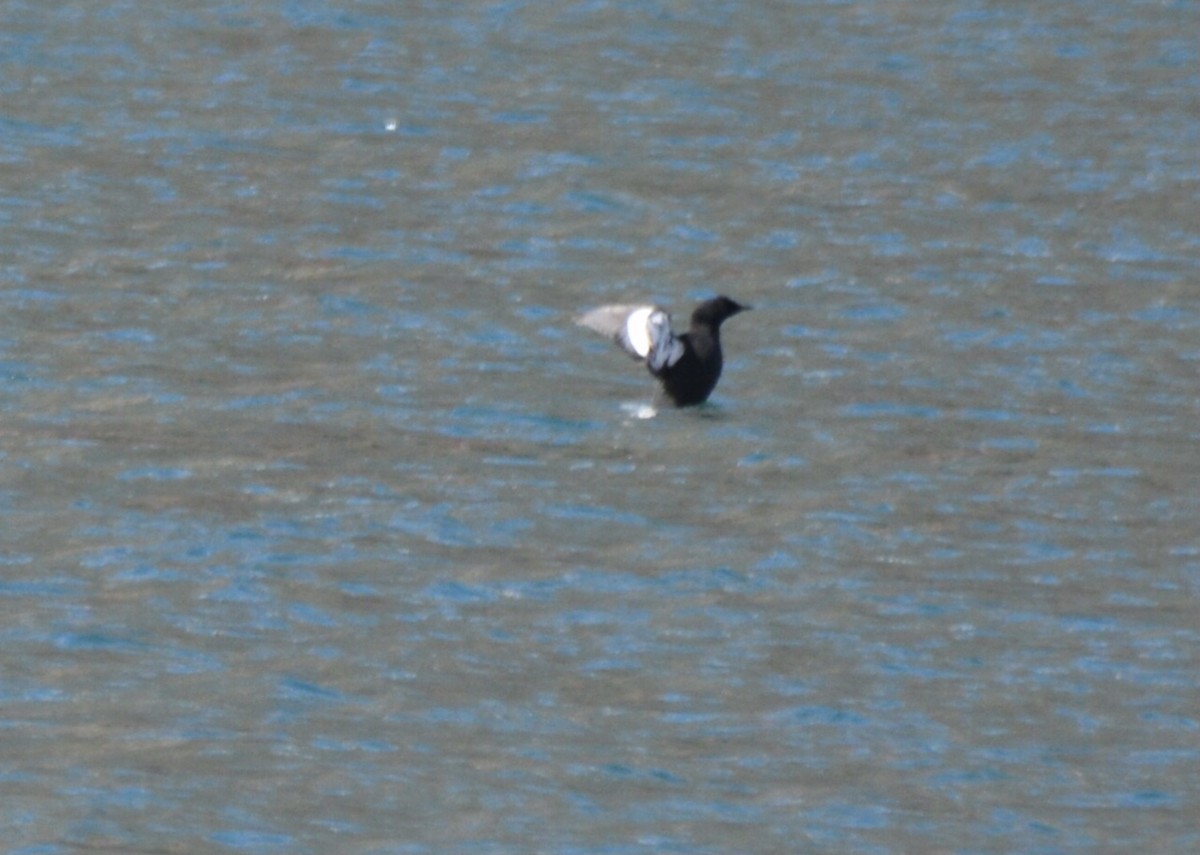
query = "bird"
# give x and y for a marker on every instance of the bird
(687, 365)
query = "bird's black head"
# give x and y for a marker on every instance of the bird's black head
(713, 312)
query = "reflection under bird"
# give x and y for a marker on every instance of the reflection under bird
(689, 364)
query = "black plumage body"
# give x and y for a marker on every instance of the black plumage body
(688, 365)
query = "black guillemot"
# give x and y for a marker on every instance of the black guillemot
(689, 364)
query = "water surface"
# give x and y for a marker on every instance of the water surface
(323, 529)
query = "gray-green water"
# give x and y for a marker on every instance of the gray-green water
(322, 529)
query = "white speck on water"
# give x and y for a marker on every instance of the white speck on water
(639, 410)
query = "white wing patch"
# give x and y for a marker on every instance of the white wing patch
(648, 334)
(640, 329)
(643, 331)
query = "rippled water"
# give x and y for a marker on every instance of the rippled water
(324, 530)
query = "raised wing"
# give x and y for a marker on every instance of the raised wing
(644, 332)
